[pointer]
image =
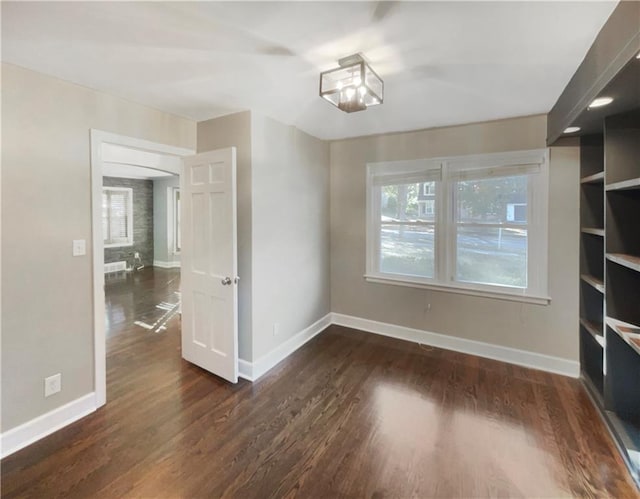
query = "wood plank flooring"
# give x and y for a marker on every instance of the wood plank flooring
(350, 414)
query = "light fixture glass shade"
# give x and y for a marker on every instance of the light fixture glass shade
(353, 86)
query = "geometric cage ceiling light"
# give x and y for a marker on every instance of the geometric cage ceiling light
(353, 86)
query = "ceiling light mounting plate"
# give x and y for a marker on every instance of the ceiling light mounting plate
(351, 60)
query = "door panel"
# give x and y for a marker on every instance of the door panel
(209, 263)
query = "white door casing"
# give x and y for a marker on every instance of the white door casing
(209, 262)
(100, 146)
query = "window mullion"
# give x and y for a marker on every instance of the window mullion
(442, 247)
(452, 230)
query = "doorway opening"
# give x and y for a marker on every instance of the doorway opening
(141, 237)
(136, 208)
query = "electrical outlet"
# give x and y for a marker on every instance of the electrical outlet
(52, 384)
(428, 307)
(276, 329)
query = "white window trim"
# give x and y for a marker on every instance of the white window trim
(537, 225)
(129, 241)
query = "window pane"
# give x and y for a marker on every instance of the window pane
(492, 255)
(408, 202)
(407, 249)
(116, 226)
(492, 200)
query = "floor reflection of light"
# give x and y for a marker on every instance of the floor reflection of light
(507, 451)
(462, 447)
(116, 315)
(405, 418)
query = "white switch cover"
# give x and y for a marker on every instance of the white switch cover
(79, 247)
(52, 384)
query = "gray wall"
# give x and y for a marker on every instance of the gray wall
(234, 130)
(162, 240)
(47, 321)
(544, 329)
(142, 221)
(290, 269)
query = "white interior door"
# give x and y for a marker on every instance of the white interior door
(209, 262)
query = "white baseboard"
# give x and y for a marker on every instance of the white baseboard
(27, 433)
(524, 358)
(31, 431)
(245, 370)
(254, 370)
(166, 265)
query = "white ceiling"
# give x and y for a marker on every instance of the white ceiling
(443, 62)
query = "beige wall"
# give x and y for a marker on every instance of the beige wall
(47, 324)
(290, 193)
(234, 130)
(289, 208)
(548, 329)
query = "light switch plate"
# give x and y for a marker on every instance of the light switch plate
(79, 247)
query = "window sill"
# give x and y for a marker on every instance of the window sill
(497, 295)
(118, 245)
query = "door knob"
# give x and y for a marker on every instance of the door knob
(226, 281)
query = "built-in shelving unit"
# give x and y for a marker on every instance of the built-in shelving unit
(609, 221)
(610, 276)
(592, 287)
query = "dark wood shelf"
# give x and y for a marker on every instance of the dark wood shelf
(629, 261)
(594, 329)
(593, 231)
(593, 281)
(625, 185)
(627, 435)
(596, 178)
(630, 333)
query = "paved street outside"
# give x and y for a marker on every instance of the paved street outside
(485, 254)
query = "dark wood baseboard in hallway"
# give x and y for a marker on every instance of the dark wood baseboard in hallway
(350, 414)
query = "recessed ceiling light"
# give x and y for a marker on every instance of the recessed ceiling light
(572, 129)
(638, 56)
(601, 101)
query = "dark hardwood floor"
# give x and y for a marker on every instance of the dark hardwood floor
(135, 297)
(350, 414)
